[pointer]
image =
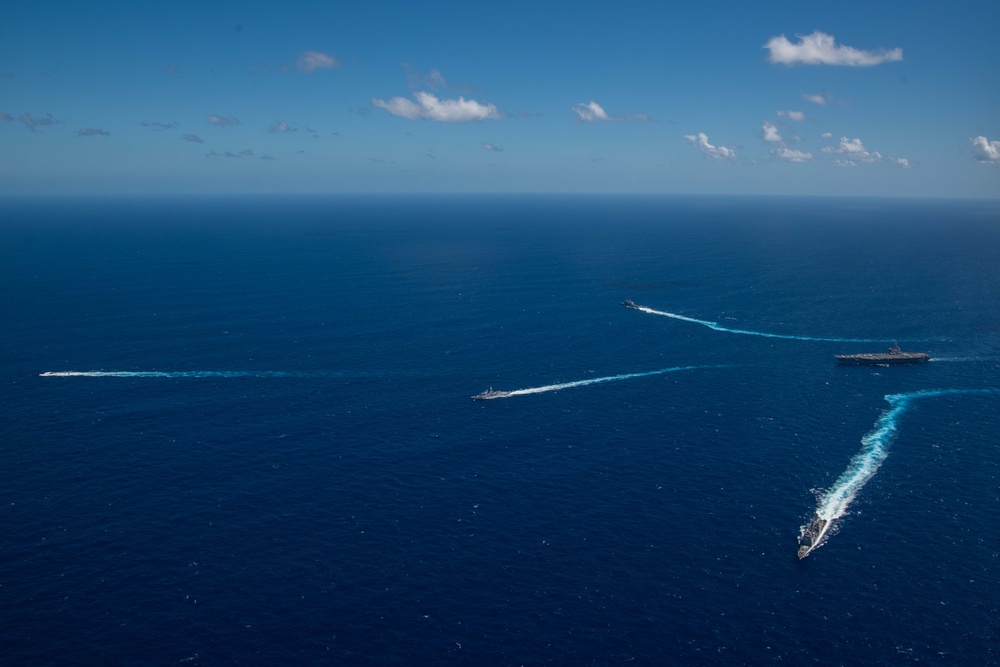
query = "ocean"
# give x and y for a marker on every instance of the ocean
(238, 431)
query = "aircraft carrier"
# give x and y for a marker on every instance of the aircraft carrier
(893, 356)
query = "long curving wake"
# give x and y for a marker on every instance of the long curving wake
(875, 448)
(583, 383)
(718, 327)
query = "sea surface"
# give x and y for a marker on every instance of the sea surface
(238, 431)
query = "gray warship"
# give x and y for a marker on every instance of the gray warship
(812, 536)
(490, 393)
(893, 356)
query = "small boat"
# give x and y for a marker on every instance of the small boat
(893, 356)
(629, 303)
(812, 536)
(490, 393)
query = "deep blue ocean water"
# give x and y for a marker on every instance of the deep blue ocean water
(285, 466)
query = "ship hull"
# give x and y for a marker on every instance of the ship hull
(813, 536)
(490, 394)
(881, 359)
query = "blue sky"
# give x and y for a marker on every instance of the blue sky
(848, 98)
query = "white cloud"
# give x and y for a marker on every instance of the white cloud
(986, 151)
(490, 147)
(791, 155)
(819, 49)
(281, 127)
(827, 135)
(429, 107)
(310, 61)
(715, 152)
(816, 98)
(792, 115)
(193, 138)
(219, 121)
(781, 150)
(593, 112)
(771, 134)
(853, 151)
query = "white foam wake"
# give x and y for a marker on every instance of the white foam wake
(609, 378)
(718, 327)
(875, 448)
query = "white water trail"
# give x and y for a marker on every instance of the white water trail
(718, 327)
(610, 378)
(875, 448)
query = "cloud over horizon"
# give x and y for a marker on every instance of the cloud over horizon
(791, 155)
(816, 98)
(310, 61)
(781, 149)
(771, 134)
(853, 153)
(593, 112)
(219, 121)
(986, 151)
(92, 132)
(281, 127)
(32, 122)
(246, 152)
(417, 79)
(720, 153)
(820, 48)
(429, 107)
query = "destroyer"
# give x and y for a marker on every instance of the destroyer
(629, 303)
(893, 356)
(490, 393)
(812, 536)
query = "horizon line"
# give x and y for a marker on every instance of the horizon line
(404, 193)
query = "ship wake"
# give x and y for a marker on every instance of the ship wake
(610, 378)
(833, 504)
(715, 326)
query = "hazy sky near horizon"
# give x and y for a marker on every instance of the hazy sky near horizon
(849, 98)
